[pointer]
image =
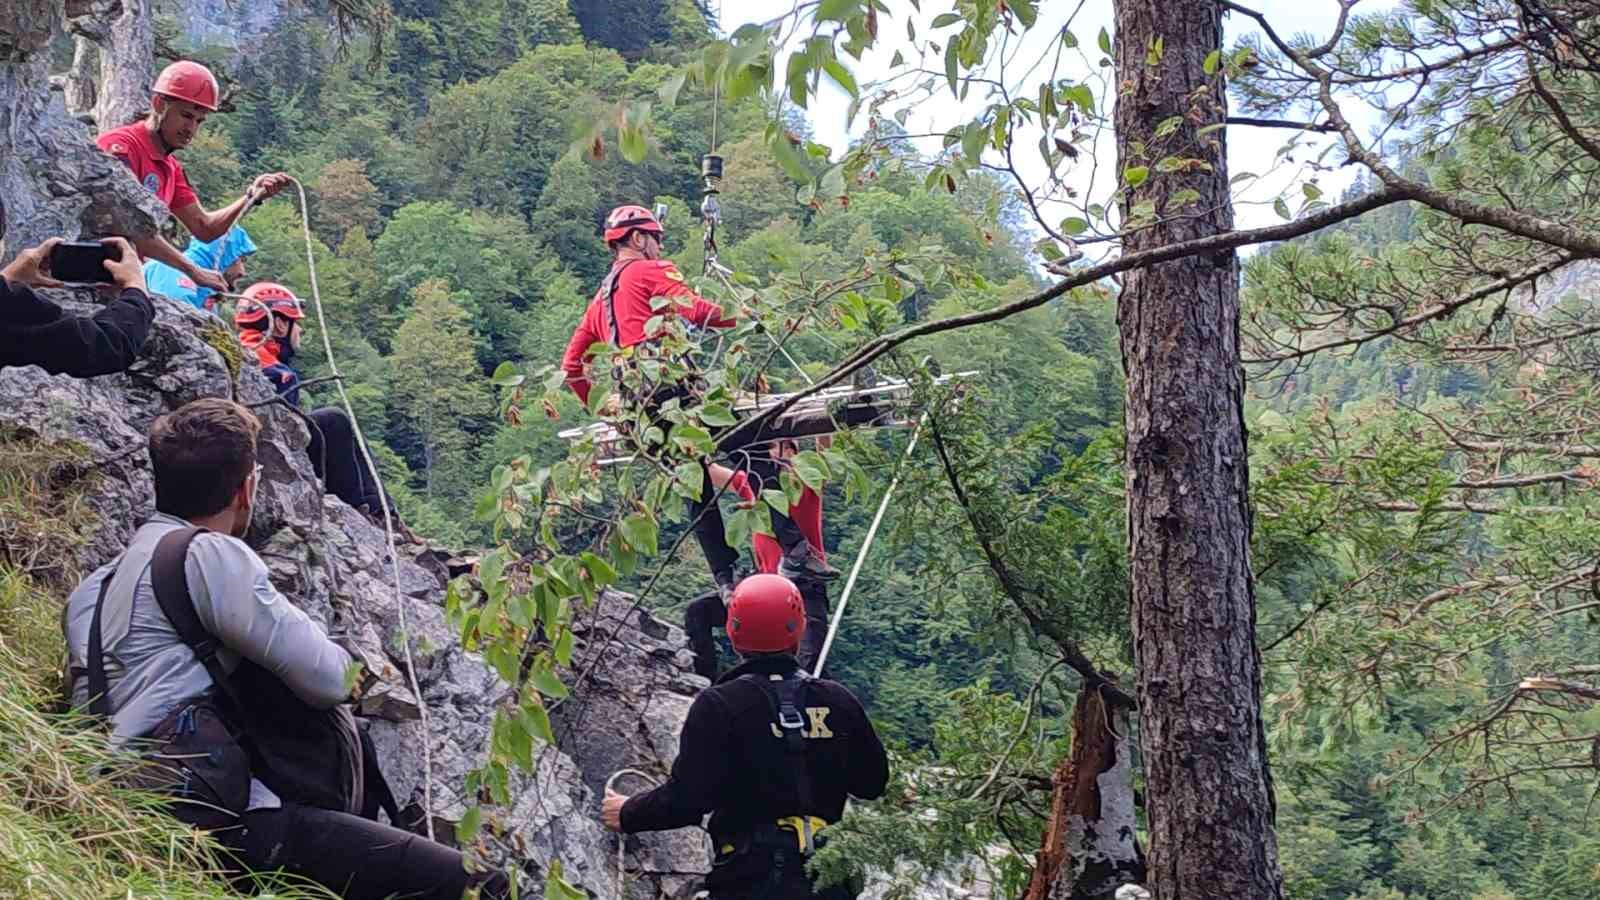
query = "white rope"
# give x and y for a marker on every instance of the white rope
(861, 555)
(622, 840)
(388, 522)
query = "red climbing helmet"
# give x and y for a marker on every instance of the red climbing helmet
(625, 219)
(250, 314)
(766, 615)
(274, 297)
(185, 80)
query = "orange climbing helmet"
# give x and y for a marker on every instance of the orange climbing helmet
(185, 80)
(250, 315)
(766, 615)
(275, 297)
(625, 219)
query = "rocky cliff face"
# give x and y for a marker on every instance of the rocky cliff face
(332, 562)
(53, 179)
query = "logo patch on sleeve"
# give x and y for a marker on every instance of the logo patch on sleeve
(671, 271)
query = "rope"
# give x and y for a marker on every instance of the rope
(622, 841)
(388, 521)
(861, 557)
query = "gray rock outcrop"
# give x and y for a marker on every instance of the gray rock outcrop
(54, 180)
(624, 713)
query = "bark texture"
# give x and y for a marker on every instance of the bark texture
(1208, 789)
(1089, 847)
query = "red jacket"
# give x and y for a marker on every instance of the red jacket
(639, 282)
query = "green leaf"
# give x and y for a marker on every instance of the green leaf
(601, 574)
(1027, 12)
(633, 144)
(899, 58)
(1182, 198)
(944, 19)
(669, 90)
(1168, 126)
(811, 468)
(717, 415)
(950, 61)
(837, 10)
(1069, 39)
(536, 721)
(798, 79)
(506, 375)
(547, 683)
(1154, 52)
(641, 533)
(691, 476)
(1082, 96)
(778, 500)
(556, 887)
(832, 184)
(1105, 42)
(1074, 225)
(1213, 60)
(563, 647)
(788, 156)
(1136, 175)
(1281, 208)
(467, 828)
(841, 76)
(972, 140)
(1311, 191)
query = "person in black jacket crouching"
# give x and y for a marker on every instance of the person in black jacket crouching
(770, 752)
(36, 332)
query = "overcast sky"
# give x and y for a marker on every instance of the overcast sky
(1249, 149)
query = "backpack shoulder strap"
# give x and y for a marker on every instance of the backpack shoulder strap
(170, 580)
(609, 289)
(99, 692)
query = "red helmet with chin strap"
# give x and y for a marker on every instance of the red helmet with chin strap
(274, 297)
(625, 219)
(766, 615)
(185, 80)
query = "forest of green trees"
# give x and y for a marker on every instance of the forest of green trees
(458, 175)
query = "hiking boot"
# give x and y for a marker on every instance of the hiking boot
(802, 563)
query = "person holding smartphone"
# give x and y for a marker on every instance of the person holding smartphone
(36, 332)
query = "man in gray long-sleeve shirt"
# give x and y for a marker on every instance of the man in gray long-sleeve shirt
(204, 460)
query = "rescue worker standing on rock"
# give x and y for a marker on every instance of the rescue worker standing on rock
(184, 94)
(618, 316)
(769, 752)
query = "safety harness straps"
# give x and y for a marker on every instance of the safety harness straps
(786, 694)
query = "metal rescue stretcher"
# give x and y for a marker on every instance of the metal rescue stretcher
(825, 412)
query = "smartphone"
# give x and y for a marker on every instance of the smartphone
(82, 262)
(660, 212)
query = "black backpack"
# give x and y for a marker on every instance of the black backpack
(206, 752)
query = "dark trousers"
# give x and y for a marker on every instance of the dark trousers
(706, 613)
(338, 461)
(704, 514)
(286, 380)
(355, 858)
(783, 879)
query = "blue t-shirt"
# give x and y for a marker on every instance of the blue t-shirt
(219, 254)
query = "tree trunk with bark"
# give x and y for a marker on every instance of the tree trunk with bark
(1208, 793)
(1089, 846)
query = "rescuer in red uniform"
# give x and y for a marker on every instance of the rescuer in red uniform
(617, 316)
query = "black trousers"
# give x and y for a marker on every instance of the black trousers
(705, 514)
(356, 858)
(338, 461)
(706, 613)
